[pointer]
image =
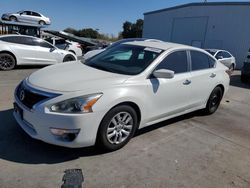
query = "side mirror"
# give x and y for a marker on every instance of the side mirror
(163, 73)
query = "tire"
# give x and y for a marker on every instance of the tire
(72, 51)
(213, 101)
(231, 68)
(41, 22)
(114, 134)
(69, 58)
(13, 18)
(243, 79)
(7, 61)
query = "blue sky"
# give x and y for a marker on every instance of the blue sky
(106, 15)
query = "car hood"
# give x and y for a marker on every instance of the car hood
(73, 76)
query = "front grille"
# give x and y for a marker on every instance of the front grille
(27, 97)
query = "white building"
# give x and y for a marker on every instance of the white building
(220, 25)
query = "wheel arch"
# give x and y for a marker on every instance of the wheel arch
(222, 88)
(8, 52)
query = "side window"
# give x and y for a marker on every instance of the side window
(42, 43)
(226, 55)
(201, 61)
(18, 40)
(36, 14)
(176, 61)
(219, 55)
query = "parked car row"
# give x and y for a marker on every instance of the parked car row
(28, 17)
(26, 50)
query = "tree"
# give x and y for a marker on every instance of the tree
(132, 30)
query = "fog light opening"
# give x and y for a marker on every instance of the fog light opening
(65, 134)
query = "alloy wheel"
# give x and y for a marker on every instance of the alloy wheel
(119, 128)
(6, 62)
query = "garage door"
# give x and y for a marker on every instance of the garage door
(189, 31)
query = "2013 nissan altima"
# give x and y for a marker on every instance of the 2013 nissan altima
(107, 98)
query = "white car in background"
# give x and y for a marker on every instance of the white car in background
(63, 44)
(224, 57)
(107, 98)
(28, 17)
(26, 50)
(97, 51)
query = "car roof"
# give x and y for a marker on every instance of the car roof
(160, 44)
(16, 35)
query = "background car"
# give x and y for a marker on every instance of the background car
(27, 16)
(97, 51)
(27, 50)
(63, 44)
(127, 87)
(224, 57)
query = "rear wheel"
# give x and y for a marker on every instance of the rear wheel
(214, 100)
(117, 128)
(13, 19)
(41, 22)
(69, 58)
(231, 68)
(7, 61)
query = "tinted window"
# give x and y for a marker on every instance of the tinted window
(201, 61)
(18, 40)
(177, 62)
(36, 14)
(124, 59)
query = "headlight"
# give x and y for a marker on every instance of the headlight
(81, 104)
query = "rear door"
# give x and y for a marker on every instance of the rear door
(203, 77)
(46, 53)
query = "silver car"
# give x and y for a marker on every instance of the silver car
(27, 16)
(224, 57)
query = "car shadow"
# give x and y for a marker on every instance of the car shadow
(17, 146)
(236, 81)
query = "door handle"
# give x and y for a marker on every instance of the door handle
(187, 82)
(212, 75)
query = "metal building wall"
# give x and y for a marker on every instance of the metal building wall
(228, 27)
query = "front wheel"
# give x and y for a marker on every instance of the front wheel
(41, 22)
(214, 101)
(117, 128)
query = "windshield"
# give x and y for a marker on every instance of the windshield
(124, 59)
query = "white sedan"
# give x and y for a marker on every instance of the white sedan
(28, 17)
(224, 57)
(107, 98)
(25, 50)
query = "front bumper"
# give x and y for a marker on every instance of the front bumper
(37, 125)
(5, 17)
